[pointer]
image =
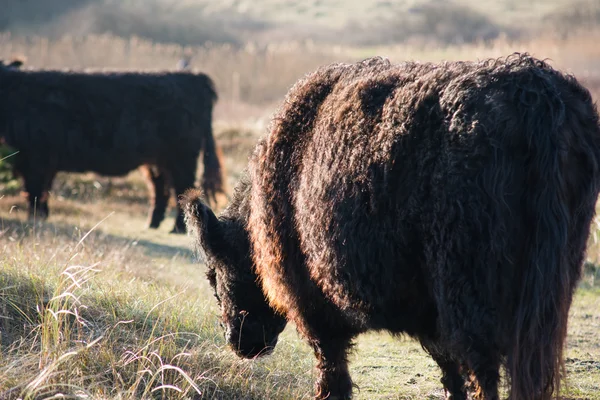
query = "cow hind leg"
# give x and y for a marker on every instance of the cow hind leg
(183, 175)
(159, 194)
(37, 186)
(43, 205)
(453, 378)
(485, 369)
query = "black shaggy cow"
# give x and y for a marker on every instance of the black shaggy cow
(450, 202)
(111, 124)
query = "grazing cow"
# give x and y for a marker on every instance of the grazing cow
(450, 202)
(111, 124)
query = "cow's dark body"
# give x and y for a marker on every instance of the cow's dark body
(111, 124)
(449, 202)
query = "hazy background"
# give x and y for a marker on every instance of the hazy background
(352, 22)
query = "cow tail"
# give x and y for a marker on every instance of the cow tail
(550, 265)
(212, 182)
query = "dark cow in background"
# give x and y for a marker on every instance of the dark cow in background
(449, 202)
(111, 124)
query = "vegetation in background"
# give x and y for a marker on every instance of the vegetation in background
(353, 22)
(7, 179)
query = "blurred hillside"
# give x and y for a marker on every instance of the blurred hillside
(346, 22)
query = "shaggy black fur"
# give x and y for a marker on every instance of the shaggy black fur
(110, 123)
(450, 202)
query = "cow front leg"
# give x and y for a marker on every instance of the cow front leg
(159, 194)
(333, 380)
(453, 372)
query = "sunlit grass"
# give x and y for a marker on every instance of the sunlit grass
(76, 327)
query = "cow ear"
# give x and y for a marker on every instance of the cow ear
(202, 224)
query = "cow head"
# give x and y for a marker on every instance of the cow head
(252, 326)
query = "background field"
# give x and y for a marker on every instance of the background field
(92, 305)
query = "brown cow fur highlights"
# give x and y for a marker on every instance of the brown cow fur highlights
(111, 124)
(450, 202)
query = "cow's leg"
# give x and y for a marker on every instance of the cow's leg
(486, 369)
(468, 319)
(36, 182)
(183, 175)
(47, 186)
(333, 381)
(159, 194)
(452, 372)
(35, 196)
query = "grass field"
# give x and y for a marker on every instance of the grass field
(94, 306)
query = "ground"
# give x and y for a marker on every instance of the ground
(95, 304)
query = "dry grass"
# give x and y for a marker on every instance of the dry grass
(100, 312)
(122, 312)
(252, 80)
